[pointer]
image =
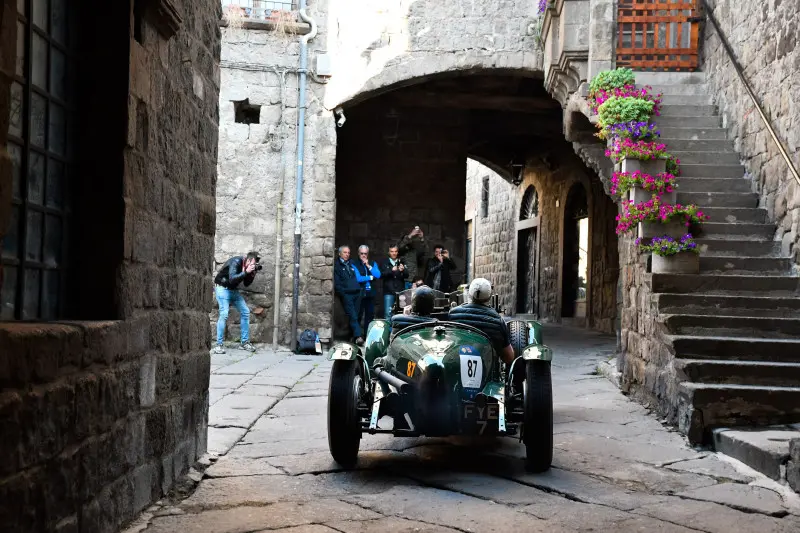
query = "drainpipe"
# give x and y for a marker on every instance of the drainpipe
(276, 302)
(301, 129)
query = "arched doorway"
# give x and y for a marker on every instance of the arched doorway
(528, 253)
(575, 266)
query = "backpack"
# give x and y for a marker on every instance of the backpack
(308, 342)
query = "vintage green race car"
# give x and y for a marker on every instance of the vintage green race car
(441, 378)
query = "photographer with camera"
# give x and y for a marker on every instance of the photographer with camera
(226, 288)
(438, 268)
(394, 275)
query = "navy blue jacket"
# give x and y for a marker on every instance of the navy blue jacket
(344, 278)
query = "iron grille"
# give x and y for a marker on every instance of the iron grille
(34, 254)
(260, 9)
(530, 204)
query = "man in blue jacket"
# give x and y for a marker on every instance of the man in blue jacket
(347, 287)
(366, 274)
(235, 271)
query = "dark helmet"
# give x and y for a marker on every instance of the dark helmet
(422, 301)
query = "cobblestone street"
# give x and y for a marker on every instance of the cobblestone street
(616, 468)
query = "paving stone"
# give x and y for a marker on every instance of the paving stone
(277, 381)
(388, 525)
(629, 450)
(273, 449)
(744, 497)
(715, 518)
(220, 440)
(246, 519)
(321, 462)
(765, 450)
(232, 467)
(215, 395)
(238, 410)
(255, 389)
(227, 381)
(308, 394)
(252, 365)
(301, 407)
(711, 466)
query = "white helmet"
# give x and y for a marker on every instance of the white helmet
(480, 290)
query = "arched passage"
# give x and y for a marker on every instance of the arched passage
(575, 265)
(528, 252)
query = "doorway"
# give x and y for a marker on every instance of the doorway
(528, 253)
(575, 270)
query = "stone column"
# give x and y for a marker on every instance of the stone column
(602, 36)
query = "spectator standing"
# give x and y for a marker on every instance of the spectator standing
(366, 273)
(438, 269)
(235, 271)
(348, 289)
(412, 249)
(394, 275)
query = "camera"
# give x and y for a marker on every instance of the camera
(258, 267)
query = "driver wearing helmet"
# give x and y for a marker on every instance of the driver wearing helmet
(479, 314)
(422, 303)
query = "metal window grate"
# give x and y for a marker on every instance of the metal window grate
(259, 9)
(34, 252)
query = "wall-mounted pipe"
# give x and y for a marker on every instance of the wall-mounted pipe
(301, 129)
(280, 145)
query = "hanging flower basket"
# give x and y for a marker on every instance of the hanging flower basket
(671, 255)
(640, 187)
(649, 230)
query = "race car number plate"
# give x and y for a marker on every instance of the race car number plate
(471, 367)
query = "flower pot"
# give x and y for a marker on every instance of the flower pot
(680, 263)
(638, 195)
(647, 166)
(674, 229)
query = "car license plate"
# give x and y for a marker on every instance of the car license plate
(481, 420)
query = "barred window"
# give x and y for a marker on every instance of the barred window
(40, 143)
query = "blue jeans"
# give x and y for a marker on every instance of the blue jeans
(388, 303)
(226, 297)
(367, 311)
(352, 304)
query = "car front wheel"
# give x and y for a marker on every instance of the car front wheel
(344, 422)
(538, 422)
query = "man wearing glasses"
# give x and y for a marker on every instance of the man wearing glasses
(366, 273)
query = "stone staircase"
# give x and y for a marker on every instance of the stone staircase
(735, 328)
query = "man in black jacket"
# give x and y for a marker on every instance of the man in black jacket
(235, 271)
(437, 270)
(479, 314)
(394, 276)
(348, 289)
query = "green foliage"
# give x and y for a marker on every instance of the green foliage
(617, 110)
(612, 79)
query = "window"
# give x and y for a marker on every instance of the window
(246, 113)
(40, 145)
(529, 207)
(259, 9)
(485, 197)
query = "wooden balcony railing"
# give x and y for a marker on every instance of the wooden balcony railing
(658, 34)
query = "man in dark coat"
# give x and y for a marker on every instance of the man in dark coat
(437, 270)
(348, 289)
(394, 275)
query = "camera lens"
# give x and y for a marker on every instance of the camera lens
(259, 267)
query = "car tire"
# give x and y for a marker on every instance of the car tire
(344, 422)
(538, 422)
(519, 336)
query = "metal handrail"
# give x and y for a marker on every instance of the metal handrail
(750, 92)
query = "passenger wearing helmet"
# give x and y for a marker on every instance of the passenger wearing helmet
(479, 314)
(422, 303)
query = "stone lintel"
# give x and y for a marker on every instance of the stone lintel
(296, 28)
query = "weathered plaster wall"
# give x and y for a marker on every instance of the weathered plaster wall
(373, 45)
(764, 37)
(99, 417)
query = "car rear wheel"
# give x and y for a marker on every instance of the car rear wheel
(344, 422)
(519, 336)
(538, 422)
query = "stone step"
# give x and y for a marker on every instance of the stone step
(736, 214)
(701, 134)
(687, 122)
(717, 283)
(686, 89)
(697, 145)
(738, 372)
(764, 449)
(695, 157)
(661, 79)
(716, 247)
(705, 407)
(682, 110)
(714, 185)
(744, 265)
(736, 349)
(727, 305)
(689, 98)
(758, 231)
(712, 170)
(717, 199)
(731, 326)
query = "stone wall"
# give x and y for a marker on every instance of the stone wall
(764, 38)
(100, 417)
(373, 45)
(496, 239)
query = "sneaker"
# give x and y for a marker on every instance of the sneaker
(249, 347)
(218, 349)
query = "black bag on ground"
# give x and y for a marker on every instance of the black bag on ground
(308, 342)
